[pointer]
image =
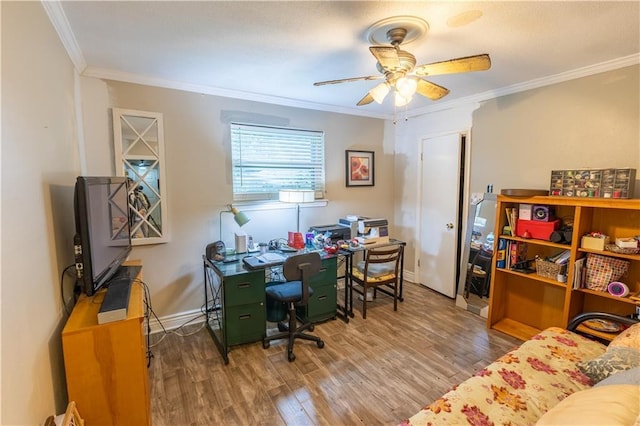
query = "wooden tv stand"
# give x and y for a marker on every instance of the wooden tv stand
(106, 365)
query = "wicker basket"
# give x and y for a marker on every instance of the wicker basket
(549, 269)
(615, 249)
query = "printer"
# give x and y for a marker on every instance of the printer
(373, 231)
(337, 231)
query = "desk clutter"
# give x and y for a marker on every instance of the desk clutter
(243, 291)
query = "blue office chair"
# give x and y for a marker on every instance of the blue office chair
(297, 270)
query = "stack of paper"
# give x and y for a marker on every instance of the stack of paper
(271, 257)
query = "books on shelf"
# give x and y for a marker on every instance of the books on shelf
(501, 253)
(510, 253)
(512, 218)
(517, 252)
(578, 273)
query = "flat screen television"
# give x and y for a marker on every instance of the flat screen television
(103, 238)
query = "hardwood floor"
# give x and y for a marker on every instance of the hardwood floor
(375, 371)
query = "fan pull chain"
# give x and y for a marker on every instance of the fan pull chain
(395, 114)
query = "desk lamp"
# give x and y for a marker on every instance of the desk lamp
(297, 196)
(240, 217)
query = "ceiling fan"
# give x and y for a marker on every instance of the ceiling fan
(399, 70)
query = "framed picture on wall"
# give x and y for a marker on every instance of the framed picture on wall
(360, 168)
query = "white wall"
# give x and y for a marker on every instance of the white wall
(198, 177)
(591, 122)
(408, 137)
(39, 165)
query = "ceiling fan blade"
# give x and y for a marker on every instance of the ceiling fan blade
(452, 66)
(387, 56)
(366, 100)
(431, 90)
(347, 80)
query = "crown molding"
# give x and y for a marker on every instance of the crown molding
(614, 64)
(109, 74)
(456, 103)
(58, 19)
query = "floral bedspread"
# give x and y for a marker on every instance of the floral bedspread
(519, 387)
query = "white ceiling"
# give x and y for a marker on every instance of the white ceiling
(273, 51)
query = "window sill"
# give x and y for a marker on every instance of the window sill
(276, 205)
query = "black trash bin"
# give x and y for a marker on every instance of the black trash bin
(276, 311)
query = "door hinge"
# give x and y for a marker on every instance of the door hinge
(418, 262)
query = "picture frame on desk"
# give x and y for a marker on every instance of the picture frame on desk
(359, 168)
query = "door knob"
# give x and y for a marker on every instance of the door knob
(449, 225)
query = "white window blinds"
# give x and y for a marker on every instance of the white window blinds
(266, 159)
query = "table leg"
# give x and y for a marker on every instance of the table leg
(343, 312)
(400, 298)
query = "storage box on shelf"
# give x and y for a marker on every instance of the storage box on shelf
(593, 183)
(536, 229)
(549, 270)
(594, 243)
(522, 304)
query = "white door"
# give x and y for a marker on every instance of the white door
(438, 212)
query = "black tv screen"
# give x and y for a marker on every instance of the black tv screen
(103, 237)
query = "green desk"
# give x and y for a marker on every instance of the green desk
(235, 300)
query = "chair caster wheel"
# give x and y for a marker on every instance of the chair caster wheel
(291, 356)
(320, 343)
(311, 327)
(282, 327)
(266, 345)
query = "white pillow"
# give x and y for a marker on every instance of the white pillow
(606, 405)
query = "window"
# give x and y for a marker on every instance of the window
(265, 159)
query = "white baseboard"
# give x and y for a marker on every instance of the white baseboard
(171, 322)
(408, 276)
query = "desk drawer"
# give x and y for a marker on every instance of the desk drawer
(245, 323)
(327, 275)
(244, 289)
(322, 305)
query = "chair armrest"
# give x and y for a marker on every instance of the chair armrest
(579, 319)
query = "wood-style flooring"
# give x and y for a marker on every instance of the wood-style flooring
(377, 371)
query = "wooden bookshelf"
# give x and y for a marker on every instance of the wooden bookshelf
(523, 304)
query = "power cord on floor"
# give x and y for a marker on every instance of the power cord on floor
(150, 312)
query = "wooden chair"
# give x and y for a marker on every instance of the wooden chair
(71, 417)
(380, 271)
(479, 274)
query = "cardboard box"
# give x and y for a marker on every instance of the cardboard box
(536, 229)
(524, 211)
(594, 243)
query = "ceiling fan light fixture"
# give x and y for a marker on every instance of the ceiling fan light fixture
(379, 92)
(406, 86)
(402, 100)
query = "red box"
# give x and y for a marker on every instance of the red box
(536, 229)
